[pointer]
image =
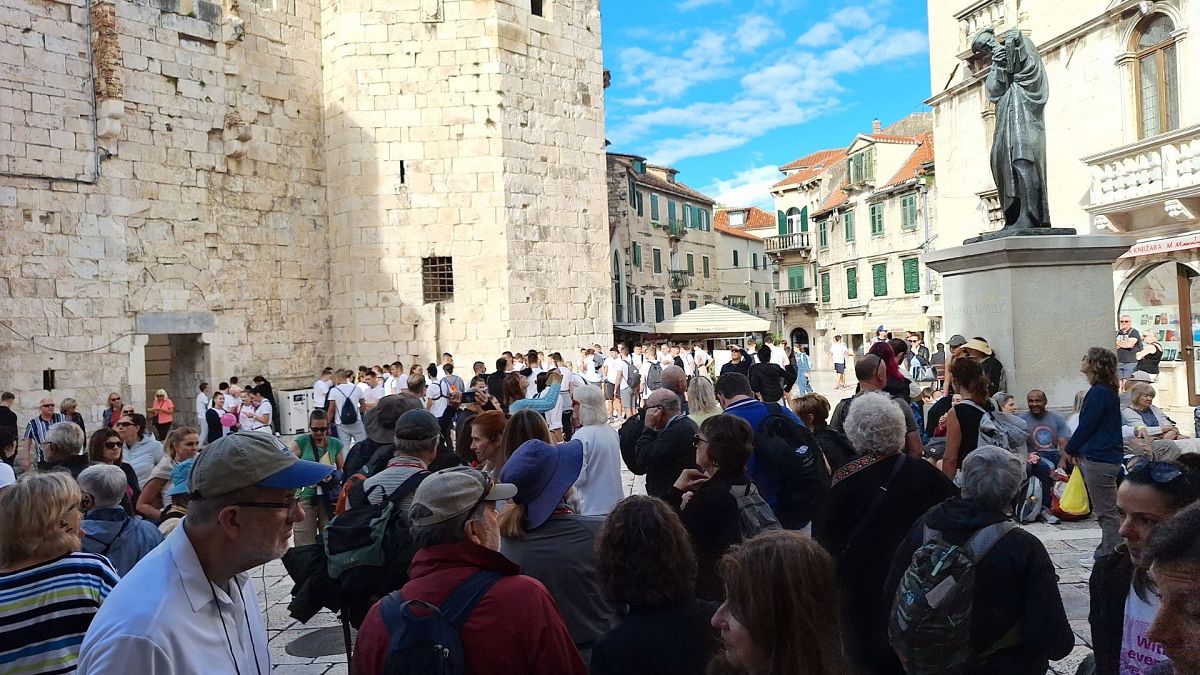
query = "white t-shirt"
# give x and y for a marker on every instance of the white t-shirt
(320, 390)
(588, 370)
(362, 386)
(339, 394)
(401, 383)
(1139, 653)
(779, 356)
(389, 385)
(689, 364)
(613, 369)
(838, 350)
(261, 409)
(531, 382)
(373, 395)
(438, 399)
(202, 403)
(702, 357)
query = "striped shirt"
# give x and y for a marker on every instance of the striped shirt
(46, 609)
(36, 430)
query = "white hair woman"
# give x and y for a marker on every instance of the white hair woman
(1015, 582)
(702, 400)
(162, 413)
(108, 530)
(873, 502)
(598, 487)
(59, 588)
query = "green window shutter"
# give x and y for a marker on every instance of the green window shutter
(795, 277)
(852, 283)
(781, 217)
(876, 219)
(640, 203)
(757, 299)
(908, 210)
(670, 210)
(659, 310)
(637, 255)
(912, 276)
(753, 261)
(654, 208)
(707, 221)
(691, 263)
(767, 299)
(825, 287)
(704, 261)
(850, 225)
(691, 304)
(676, 307)
(804, 219)
(823, 233)
(735, 258)
(879, 279)
(632, 192)
(657, 261)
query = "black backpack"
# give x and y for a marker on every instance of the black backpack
(791, 453)
(349, 413)
(431, 644)
(632, 375)
(369, 548)
(654, 376)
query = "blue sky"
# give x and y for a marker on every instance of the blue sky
(728, 90)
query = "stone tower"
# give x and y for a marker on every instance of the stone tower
(466, 184)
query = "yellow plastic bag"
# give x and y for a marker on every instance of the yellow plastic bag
(1074, 501)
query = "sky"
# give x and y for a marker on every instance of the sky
(726, 91)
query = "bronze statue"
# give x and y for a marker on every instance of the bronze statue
(1017, 85)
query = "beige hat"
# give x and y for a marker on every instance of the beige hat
(250, 458)
(453, 492)
(979, 346)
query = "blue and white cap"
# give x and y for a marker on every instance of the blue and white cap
(250, 458)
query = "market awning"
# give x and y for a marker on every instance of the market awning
(1167, 245)
(714, 319)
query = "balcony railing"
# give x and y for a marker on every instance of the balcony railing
(796, 296)
(680, 279)
(1161, 169)
(676, 229)
(796, 241)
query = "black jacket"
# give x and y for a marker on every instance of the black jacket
(1015, 587)
(769, 381)
(1108, 588)
(835, 446)
(742, 367)
(712, 520)
(663, 455)
(212, 419)
(672, 640)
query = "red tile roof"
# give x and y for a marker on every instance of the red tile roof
(756, 218)
(733, 231)
(809, 167)
(911, 169)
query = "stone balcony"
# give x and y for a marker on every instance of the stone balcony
(784, 243)
(680, 279)
(796, 297)
(675, 229)
(1150, 183)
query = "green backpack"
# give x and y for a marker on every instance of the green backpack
(930, 626)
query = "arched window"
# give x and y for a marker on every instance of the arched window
(1155, 76)
(797, 220)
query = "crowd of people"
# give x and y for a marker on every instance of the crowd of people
(778, 534)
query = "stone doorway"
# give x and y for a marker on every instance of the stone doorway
(177, 363)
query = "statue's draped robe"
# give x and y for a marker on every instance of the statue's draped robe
(1020, 93)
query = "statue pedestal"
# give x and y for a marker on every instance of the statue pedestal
(1040, 301)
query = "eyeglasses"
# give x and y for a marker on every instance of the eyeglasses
(319, 430)
(286, 506)
(120, 425)
(1161, 472)
(112, 445)
(697, 439)
(1126, 322)
(913, 342)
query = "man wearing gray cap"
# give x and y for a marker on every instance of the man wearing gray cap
(416, 445)
(512, 624)
(190, 605)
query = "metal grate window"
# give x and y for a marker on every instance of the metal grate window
(437, 278)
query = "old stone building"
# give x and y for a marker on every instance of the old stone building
(663, 249)
(748, 276)
(271, 186)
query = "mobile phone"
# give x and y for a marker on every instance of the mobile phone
(468, 396)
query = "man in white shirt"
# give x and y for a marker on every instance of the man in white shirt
(260, 416)
(702, 359)
(203, 615)
(321, 387)
(344, 390)
(838, 351)
(375, 391)
(613, 371)
(778, 353)
(392, 378)
(534, 361)
(447, 359)
(202, 403)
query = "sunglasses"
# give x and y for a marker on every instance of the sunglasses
(120, 425)
(319, 430)
(47, 405)
(1162, 473)
(112, 445)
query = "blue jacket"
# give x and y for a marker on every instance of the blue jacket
(754, 412)
(103, 527)
(1098, 437)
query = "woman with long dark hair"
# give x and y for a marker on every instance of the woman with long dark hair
(1097, 446)
(784, 628)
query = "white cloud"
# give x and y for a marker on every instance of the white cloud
(755, 31)
(820, 34)
(688, 5)
(749, 187)
(829, 32)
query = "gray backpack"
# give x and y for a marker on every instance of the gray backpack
(1001, 429)
(754, 514)
(930, 625)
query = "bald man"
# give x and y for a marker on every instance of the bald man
(666, 445)
(674, 379)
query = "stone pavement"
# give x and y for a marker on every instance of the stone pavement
(1066, 543)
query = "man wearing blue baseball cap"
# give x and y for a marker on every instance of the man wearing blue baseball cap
(190, 605)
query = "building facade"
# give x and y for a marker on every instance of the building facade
(747, 274)
(663, 252)
(1123, 146)
(852, 223)
(270, 187)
